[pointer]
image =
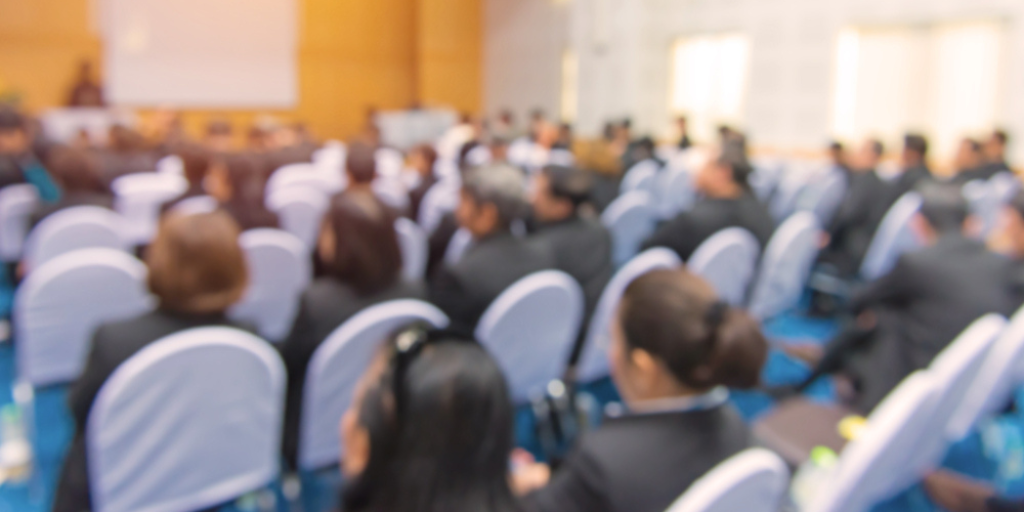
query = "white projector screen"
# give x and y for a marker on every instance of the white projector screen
(200, 53)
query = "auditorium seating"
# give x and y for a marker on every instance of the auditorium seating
(79, 227)
(727, 260)
(279, 271)
(642, 177)
(893, 238)
(139, 198)
(823, 195)
(461, 242)
(300, 211)
(754, 480)
(17, 203)
(631, 219)
(785, 266)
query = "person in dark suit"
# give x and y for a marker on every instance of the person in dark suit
(909, 315)
(995, 152)
(915, 165)
(728, 202)
(421, 161)
(837, 156)
(581, 245)
(76, 173)
(684, 134)
(676, 349)
(238, 183)
(970, 163)
(359, 250)
(492, 199)
(196, 270)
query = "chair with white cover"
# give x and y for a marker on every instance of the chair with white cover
(279, 271)
(593, 362)
(998, 377)
(17, 203)
(171, 164)
(824, 195)
(643, 176)
(727, 260)
(753, 480)
(530, 330)
(61, 303)
(414, 245)
(80, 227)
(336, 367)
(892, 238)
(785, 266)
(631, 219)
(300, 211)
(389, 162)
(787, 194)
(676, 192)
(392, 192)
(195, 205)
(304, 175)
(878, 464)
(460, 243)
(439, 200)
(139, 197)
(191, 421)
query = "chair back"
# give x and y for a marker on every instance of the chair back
(824, 195)
(336, 367)
(196, 205)
(17, 204)
(80, 227)
(279, 271)
(304, 175)
(874, 466)
(61, 303)
(641, 177)
(631, 219)
(389, 162)
(787, 194)
(139, 197)
(727, 261)
(300, 210)
(786, 266)
(593, 362)
(189, 422)
(530, 330)
(893, 238)
(753, 480)
(676, 192)
(171, 164)
(415, 251)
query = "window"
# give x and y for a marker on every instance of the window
(709, 81)
(570, 86)
(942, 80)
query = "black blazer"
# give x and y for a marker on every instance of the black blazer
(324, 306)
(465, 290)
(112, 345)
(688, 230)
(867, 200)
(984, 172)
(642, 463)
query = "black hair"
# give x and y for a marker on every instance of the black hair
(569, 184)
(441, 437)
(11, 119)
(734, 158)
(361, 163)
(973, 145)
(836, 146)
(1001, 136)
(916, 143)
(944, 207)
(877, 147)
(676, 317)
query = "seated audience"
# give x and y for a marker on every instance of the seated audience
(421, 161)
(128, 153)
(675, 351)
(196, 271)
(908, 316)
(837, 156)
(492, 199)
(1011, 244)
(18, 163)
(76, 173)
(995, 153)
(430, 428)
(970, 163)
(196, 162)
(955, 493)
(683, 134)
(219, 137)
(915, 165)
(581, 245)
(359, 250)
(237, 183)
(728, 202)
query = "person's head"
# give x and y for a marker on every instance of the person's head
(969, 155)
(995, 146)
(672, 337)
(644, 149)
(558, 193)
(236, 178)
(506, 117)
(196, 162)
(218, 136)
(432, 417)
(944, 211)
(837, 153)
(85, 71)
(195, 263)
(1013, 225)
(682, 124)
(546, 134)
(915, 150)
(75, 169)
(870, 155)
(14, 137)
(361, 164)
(358, 244)
(726, 174)
(422, 159)
(492, 197)
(565, 135)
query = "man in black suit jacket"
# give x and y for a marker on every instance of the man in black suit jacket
(971, 164)
(492, 198)
(728, 202)
(908, 316)
(995, 152)
(581, 245)
(915, 165)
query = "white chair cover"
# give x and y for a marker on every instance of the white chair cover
(520, 152)
(999, 375)
(336, 367)
(478, 156)
(189, 422)
(530, 330)
(61, 303)
(300, 211)
(17, 203)
(304, 175)
(562, 157)
(824, 195)
(171, 164)
(727, 261)
(676, 192)
(196, 205)
(441, 199)
(392, 192)
(80, 227)
(631, 219)
(593, 361)
(415, 250)
(786, 195)
(893, 238)
(785, 267)
(330, 158)
(875, 466)
(139, 197)
(754, 480)
(461, 241)
(643, 177)
(389, 162)
(765, 179)
(279, 271)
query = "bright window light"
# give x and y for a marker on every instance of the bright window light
(570, 86)
(709, 81)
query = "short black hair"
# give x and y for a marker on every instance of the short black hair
(877, 147)
(944, 207)
(734, 157)
(973, 144)
(570, 184)
(916, 143)
(11, 119)
(1001, 135)
(836, 146)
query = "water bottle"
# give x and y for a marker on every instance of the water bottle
(15, 449)
(812, 475)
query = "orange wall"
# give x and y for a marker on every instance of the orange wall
(353, 54)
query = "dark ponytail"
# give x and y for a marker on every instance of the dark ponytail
(676, 317)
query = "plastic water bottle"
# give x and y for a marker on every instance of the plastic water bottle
(812, 475)
(15, 449)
